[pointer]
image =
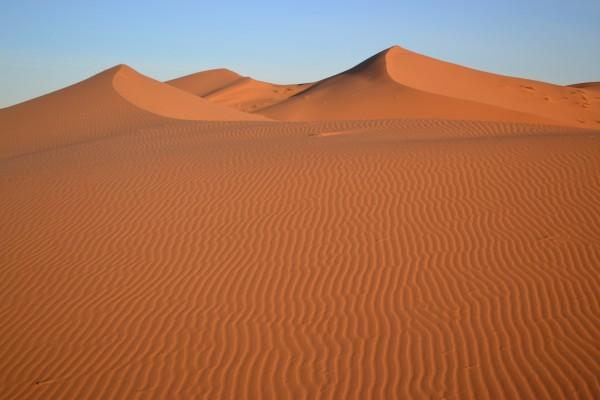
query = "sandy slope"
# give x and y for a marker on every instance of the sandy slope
(226, 87)
(202, 83)
(564, 104)
(397, 83)
(250, 95)
(115, 100)
(146, 256)
(368, 91)
(591, 86)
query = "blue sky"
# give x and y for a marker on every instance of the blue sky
(47, 45)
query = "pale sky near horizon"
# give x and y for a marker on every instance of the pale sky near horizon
(48, 45)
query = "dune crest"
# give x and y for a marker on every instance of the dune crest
(369, 91)
(228, 88)
(165, 100)
(251, 95)
(566, 105)
(204, 82)
(115, 100)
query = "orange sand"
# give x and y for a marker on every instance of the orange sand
(593, 86)
(397, 83)
(243, 93)
(157, 244)
(114, 101)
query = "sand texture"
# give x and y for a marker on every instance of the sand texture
(591, 86)
(372, 236)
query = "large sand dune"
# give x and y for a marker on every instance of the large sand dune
(368, 91)
(115, 100)
(398, 83)
(148, 256)
(560, 103)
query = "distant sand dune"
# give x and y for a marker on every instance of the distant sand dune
(398, 83)
(250, 95)
(368, 91)
(559, 103)
(115, 100)
(202, 83)
(159, 98)
(243, 93)
(450, 253)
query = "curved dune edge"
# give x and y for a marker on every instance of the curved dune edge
(204, 82)
(167, 101)
(591, 86)
(368, 91)
(251, 95)
(233, 90)
(84, 111)
(571, 106)
(109, 103)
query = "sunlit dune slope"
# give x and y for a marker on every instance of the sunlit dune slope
(243, 93)
(204, 82)
(114, 100)
(398, 83)
(250, 95)
(368, 91)
(566, 105)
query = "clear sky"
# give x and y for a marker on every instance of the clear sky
(45, 45)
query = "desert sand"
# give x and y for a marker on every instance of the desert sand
(226, 87)
(407, 229)
(593, 86)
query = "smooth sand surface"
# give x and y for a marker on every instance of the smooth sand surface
(202, 83)
(226, 87)
(145, 256)
(250, 95)
(368, 91)
(116, 100)
(398, 83)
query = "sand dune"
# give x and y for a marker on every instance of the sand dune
(165, 100)
(397, 83)
(250, 95)
(243, 93)
(368, 91)
(560, 103)
(202, 83)
(116, 100)
(148, 256)
(591, 86)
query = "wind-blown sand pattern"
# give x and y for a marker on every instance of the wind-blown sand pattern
(145, 256)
